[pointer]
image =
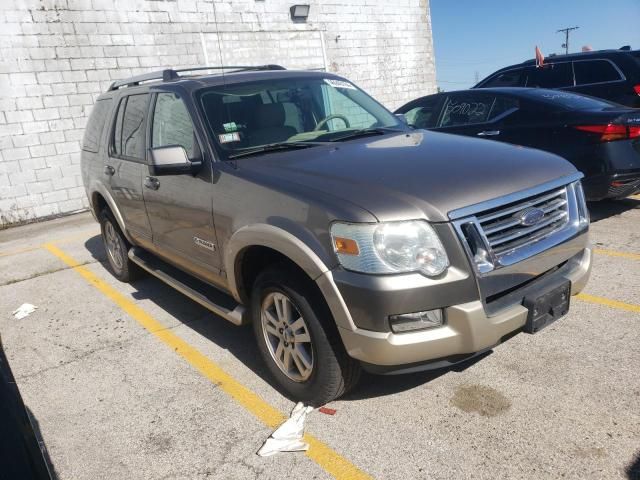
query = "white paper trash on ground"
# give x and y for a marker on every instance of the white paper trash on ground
(288, 436)
(24, 310)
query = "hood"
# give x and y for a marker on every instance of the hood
(410, 175)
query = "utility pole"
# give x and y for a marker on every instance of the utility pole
(566, 37)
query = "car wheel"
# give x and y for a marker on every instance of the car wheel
(298, 339)
(117, 249)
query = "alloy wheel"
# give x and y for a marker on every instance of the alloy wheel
(287, 336)
(114, 247)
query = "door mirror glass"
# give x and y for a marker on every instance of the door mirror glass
(171, 160)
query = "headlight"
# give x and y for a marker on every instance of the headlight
(394, 247)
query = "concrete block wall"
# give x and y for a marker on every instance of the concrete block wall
(56, 56)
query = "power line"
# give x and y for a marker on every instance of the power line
(566, 31)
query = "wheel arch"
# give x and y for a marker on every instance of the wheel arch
(280, 244)
(101, 198)
(273, 241)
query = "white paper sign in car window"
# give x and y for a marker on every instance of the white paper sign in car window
(339, 83)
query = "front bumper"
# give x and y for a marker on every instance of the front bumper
(468, 328)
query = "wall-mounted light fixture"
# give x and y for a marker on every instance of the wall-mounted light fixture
(299, 13)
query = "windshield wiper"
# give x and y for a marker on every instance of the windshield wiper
(363, 132)
(272, 147)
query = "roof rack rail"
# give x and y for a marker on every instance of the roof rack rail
(173, 74)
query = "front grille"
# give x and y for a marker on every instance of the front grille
(504, 229)
(507, 230)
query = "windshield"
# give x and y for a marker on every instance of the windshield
(290, 110)
(568, 101)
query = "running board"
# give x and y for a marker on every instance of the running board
(206, 295)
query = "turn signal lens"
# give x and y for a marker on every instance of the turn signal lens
(346, 246)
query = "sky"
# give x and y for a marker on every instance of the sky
(475, 38)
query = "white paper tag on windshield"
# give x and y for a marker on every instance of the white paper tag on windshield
(229, 137)
(339, 83)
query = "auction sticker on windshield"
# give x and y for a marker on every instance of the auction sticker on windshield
(229, 137)
(339, 83)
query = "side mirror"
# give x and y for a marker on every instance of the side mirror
(171, 160)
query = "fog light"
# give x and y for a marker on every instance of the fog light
(407, 322)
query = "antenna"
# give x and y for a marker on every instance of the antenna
(566, 31)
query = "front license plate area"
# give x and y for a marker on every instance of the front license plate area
(545, 308)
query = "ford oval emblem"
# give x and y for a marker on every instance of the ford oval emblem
(530, 216)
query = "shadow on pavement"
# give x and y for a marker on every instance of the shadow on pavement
(239, 341)
(610, 208)
(633, 469)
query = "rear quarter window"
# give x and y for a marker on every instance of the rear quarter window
(95, 125)
(595, 71)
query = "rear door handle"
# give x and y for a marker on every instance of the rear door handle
(152, 182)
(489, 133)
(109, 170)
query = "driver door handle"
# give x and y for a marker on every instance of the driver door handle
(152, 182)
(489, 133)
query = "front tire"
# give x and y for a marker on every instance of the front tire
(298, 339)
(117, 249)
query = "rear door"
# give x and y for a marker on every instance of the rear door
(180, 206)
(125, 166)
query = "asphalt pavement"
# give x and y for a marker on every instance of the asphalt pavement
(139, 382)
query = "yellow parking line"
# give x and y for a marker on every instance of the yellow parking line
(609, 303)
(332, 462)
(615, 253)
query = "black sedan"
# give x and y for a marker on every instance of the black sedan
(602, 139)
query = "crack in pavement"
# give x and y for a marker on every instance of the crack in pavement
(46, 272)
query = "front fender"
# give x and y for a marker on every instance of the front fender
(294, 249)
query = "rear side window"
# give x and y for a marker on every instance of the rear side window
(552, 75)
(95, 125)
(466, 110)
(595, 71)
(172, 124)
(511, 78)
(128, 134)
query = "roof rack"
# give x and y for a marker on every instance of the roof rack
(172, 74)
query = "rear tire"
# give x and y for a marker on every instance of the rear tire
(289, 319)
(117, 248)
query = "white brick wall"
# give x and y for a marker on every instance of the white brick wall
(56, 56)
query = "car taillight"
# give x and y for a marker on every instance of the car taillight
(636, 88)
(608, 132)
(634, 132)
